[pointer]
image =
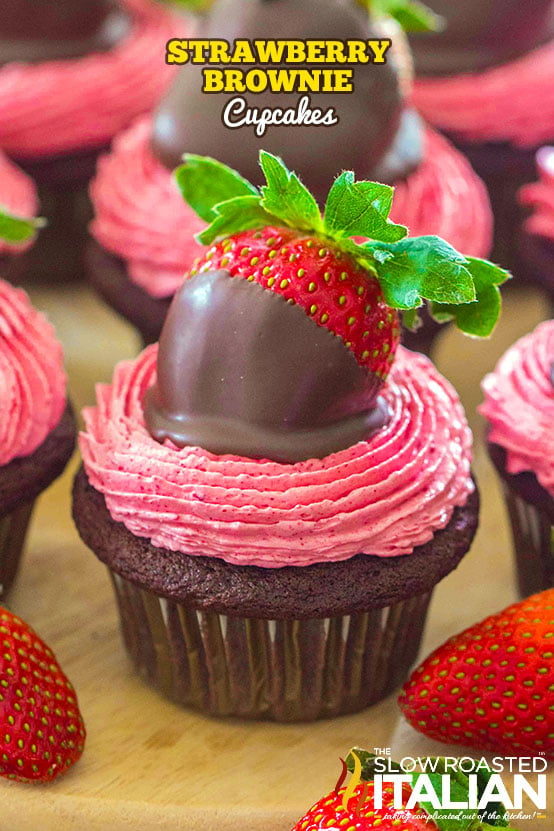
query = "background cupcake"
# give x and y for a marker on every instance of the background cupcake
(232, 479)
(145, 232)
(519, 406)
(37, 427)
(486, 82)
(72, 74)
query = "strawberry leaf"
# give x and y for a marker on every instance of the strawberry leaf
(480, 318)
(17, 229)
(233, 216)
(412, 15)
(205, 182)
(286, 197)
(360, 209)
(421, 268)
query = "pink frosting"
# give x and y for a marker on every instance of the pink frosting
(383, 496)
(32, 378)
(18, 196)
(539, 196)
(519, 404)
(62, 106)
(511, 103)
(141, 217)
(446, 197)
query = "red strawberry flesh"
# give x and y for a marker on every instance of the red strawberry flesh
(361, 814)
(491, 687)
(41, 729)
(333, 289)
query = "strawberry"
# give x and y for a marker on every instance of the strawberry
(41, 729)
(330, 285)
(394, 806)
(277, 237)
(361, 814)
(491, 687)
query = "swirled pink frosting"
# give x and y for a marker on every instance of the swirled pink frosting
(18, 195)
(539, 196)
(383, 496)
(32, 378)
(519, 404)
(62, 106)
(142, 218)
(446, 197)
(511, 103)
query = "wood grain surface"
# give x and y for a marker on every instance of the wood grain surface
(150, 765)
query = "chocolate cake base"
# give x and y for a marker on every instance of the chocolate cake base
(288, 644)
(531, 511)
(21, 481)
(57, 255)
(108, 275)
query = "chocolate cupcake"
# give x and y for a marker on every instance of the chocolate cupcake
(274, 495)
(143, 230)
(519, 406)
(37, 426)
(485, 81)
(72, 74)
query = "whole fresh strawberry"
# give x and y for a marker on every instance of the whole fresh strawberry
(41, 729)
(277, 237)
(361, 805)
(492, 686)
(360, 813)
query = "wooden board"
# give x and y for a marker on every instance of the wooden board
(150, 765)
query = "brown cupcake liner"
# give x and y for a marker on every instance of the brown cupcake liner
(13, 530)
(532, 533)
(283, 670)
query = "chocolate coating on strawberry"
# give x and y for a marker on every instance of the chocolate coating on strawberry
(242, 371)
(34, 31)
(482, 33)
(376, 136)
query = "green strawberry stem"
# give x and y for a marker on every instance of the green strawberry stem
(412, 15)
(17, 229)
(409, 269)
(463, 819)
(196, 6)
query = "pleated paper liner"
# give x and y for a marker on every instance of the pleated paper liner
(532, 533)
(283, 670)
(13, 530)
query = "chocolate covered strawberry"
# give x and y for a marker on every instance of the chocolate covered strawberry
(365, 803)
(41, 729)
(492, 686)
(277, 237)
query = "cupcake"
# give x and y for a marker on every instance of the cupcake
(274, 495)
(536, 239)
(485, 81)
(18, 197)
(72, 74)
(37, 426)
(144, 231)
(519, 406)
